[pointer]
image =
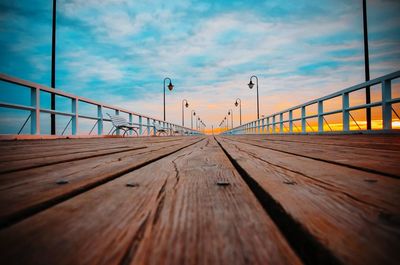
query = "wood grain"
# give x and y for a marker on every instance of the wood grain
(173, 212)
(25, 192)
(354, 214)
(385, 162)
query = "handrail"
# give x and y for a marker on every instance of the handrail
(258, 126)
(36, 110)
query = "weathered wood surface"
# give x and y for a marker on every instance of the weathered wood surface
(351, 213)
(25, 155)
(371, 141)
(27, 191)
(173, 213)
(385, 161)
(281, 199)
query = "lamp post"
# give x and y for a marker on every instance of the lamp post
(366, 64)
(239, 102)
(251, 84)
(193, 113)
(170, 87)
(230, 112)
(53, 70)
(197, 123)
(185, 103)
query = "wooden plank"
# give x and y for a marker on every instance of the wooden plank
(28, 191)
(60, 157)
(385, 162)
(20, 147)
(53, 147)
(34, 157)
(351, 213)
(173, 213)
(383, 142)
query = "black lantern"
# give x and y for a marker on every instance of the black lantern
(170, 86)
(251, 84)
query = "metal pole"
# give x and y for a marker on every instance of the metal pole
(183, 111)
(53, 70)
(164, 92)
(366, 63)
(164, 98)
(240, 110)
(192, 113)
(258, 102)
(231, 113)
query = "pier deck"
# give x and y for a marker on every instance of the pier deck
(249, 199)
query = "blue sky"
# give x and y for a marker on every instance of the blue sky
(119, 51)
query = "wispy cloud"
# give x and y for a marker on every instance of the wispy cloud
(119, 51)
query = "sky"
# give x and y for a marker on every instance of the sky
(119, 51)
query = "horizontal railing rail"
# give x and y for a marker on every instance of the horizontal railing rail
(276, 123)
(145, 123)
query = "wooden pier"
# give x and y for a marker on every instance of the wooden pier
(249, 199)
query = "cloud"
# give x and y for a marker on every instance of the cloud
(119, 51)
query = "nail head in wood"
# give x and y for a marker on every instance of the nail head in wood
(289, 182)
(223, 183)
(62, 182)
(371, 180)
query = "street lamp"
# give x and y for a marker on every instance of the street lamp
(204, 125)
(193, 113)
(251, 84)
(225, 119)
(239, 102)
(53, 70)
(366, 63)
(230, 112)
(183, 112)
(170, 87)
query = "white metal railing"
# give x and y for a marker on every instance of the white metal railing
(145, 123)
(270, 123)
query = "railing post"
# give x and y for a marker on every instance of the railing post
(130, 121)
(386, 106)
(35, 114)
(258, 126)
(263, 126)
(117, 114)
(75, 118)
(303, 120)
(290, 121)
(140, 125)
(100, 120)
(154, 129)
(148, 126)
(345, 112)
(281, 130)
(273, 124)
(320, 116)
